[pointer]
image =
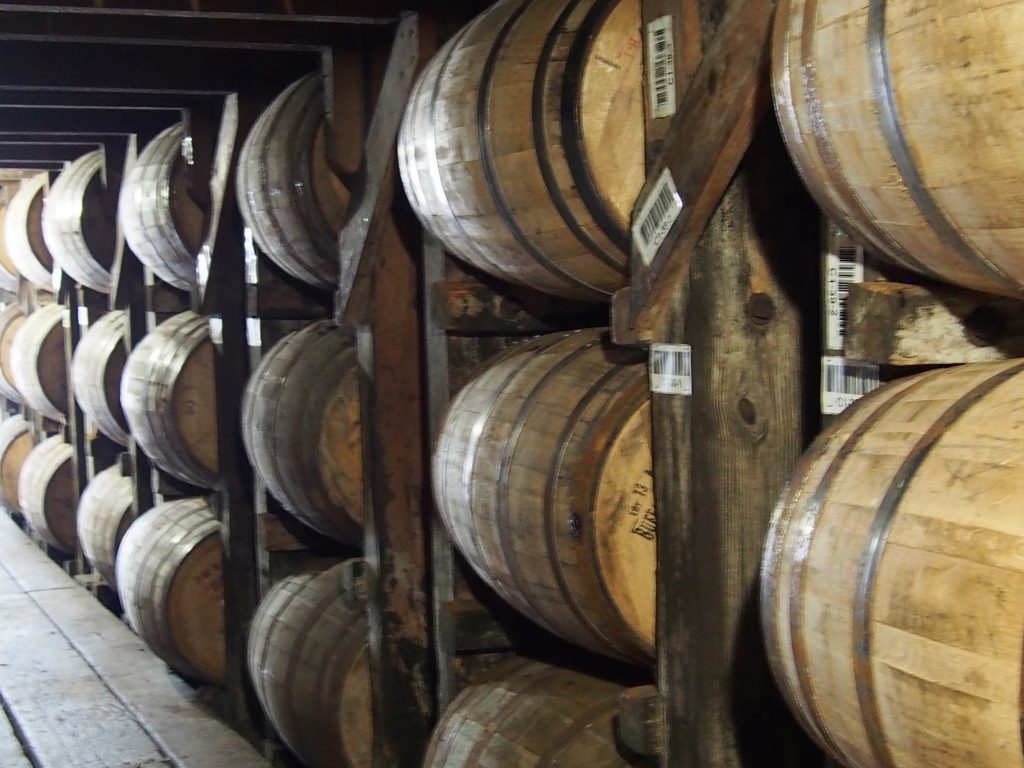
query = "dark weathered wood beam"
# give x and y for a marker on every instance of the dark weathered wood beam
(20, 119)
(43, 153)
(105, 98)
(123, 66)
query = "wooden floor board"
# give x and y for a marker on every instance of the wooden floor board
(63, 655)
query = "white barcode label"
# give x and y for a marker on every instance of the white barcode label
(203, 267)
(661, 67)
(216, 330)
(83, 317)
(844, 266)
(844, 382)
(253, 333)
(55, 278)
(657, 215)
(671, 369)
(252, 271)
(65, 318)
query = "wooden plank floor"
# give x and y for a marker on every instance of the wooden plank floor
(81, 690)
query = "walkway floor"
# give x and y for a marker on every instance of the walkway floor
(80, 690)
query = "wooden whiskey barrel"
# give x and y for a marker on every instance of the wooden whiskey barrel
(287, 193)
(11, 320)
(15, 445)
(46, 492)
(169, 578)
(96, 370)
(309, 664)
(300, 425)
(893, 576)
(525, 714)
(38, 365)
(522, 148)
(8, 272)
(23, 232)
(542, 475)
(903, 122)
(162, 225)
(169, 398)
(79, 226)
(104, 514)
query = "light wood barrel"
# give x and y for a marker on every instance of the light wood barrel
(46, 492)
(79, 226)
(300, 424)
(96, 370)
(23, 232)
(104, 514)
(169, 396)
(287, 193)
(11, 320)
(38, 365)
(904, 122)
(893, 576)
(309, 664)
(169, 578)
(15, 445)
(522, 148)
(542, 475)
(8, 272)
(162, 225)
(530, 714)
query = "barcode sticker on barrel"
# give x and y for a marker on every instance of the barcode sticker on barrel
(83, 317)
(253, 332)
(252, 272)
(216, 330)
(844, 267)
(661, 67)
(844, 382)
(657, 215)
(671, 369)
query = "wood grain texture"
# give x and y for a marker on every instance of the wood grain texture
(288, 195)
(882, 109)
(169, 398)
(899, 324)
(309, 664)
(104, 514)
(96, 370)
(11, 319)
(38, 364)
(542, 475)
(79, 228)
(162, 224)
(46, 493)
(300, 424)
(8, 272)
(522, 146)
(168, 574)
(528, 714)
(23, 236)
(15, 445)
(892, 573)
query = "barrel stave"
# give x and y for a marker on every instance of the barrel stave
(11, 319)
(23, 235)
(104, 514)
(46, 493)
(38, 365)
(96, 370)
(15, 446)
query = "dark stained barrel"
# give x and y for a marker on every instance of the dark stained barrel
(522, 148)
(15, 446)
(169, 398)
(46, 493)
(300, 424)
(79, 226)
(309, 664)
(11, 319)
(892, 584)
(162, 225)
(8, 272)
(542, 475)
(104, 514)
(527, 714)
(23, 232)
(288, 195)
(96, 370)
(38, 365)
(169, 578)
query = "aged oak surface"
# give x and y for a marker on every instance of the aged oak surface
(23, 232)
(10, 320)
(903, 119)
(96, 370)
(15, 445)
(104, 514)
(46, 493)
(38, 364)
